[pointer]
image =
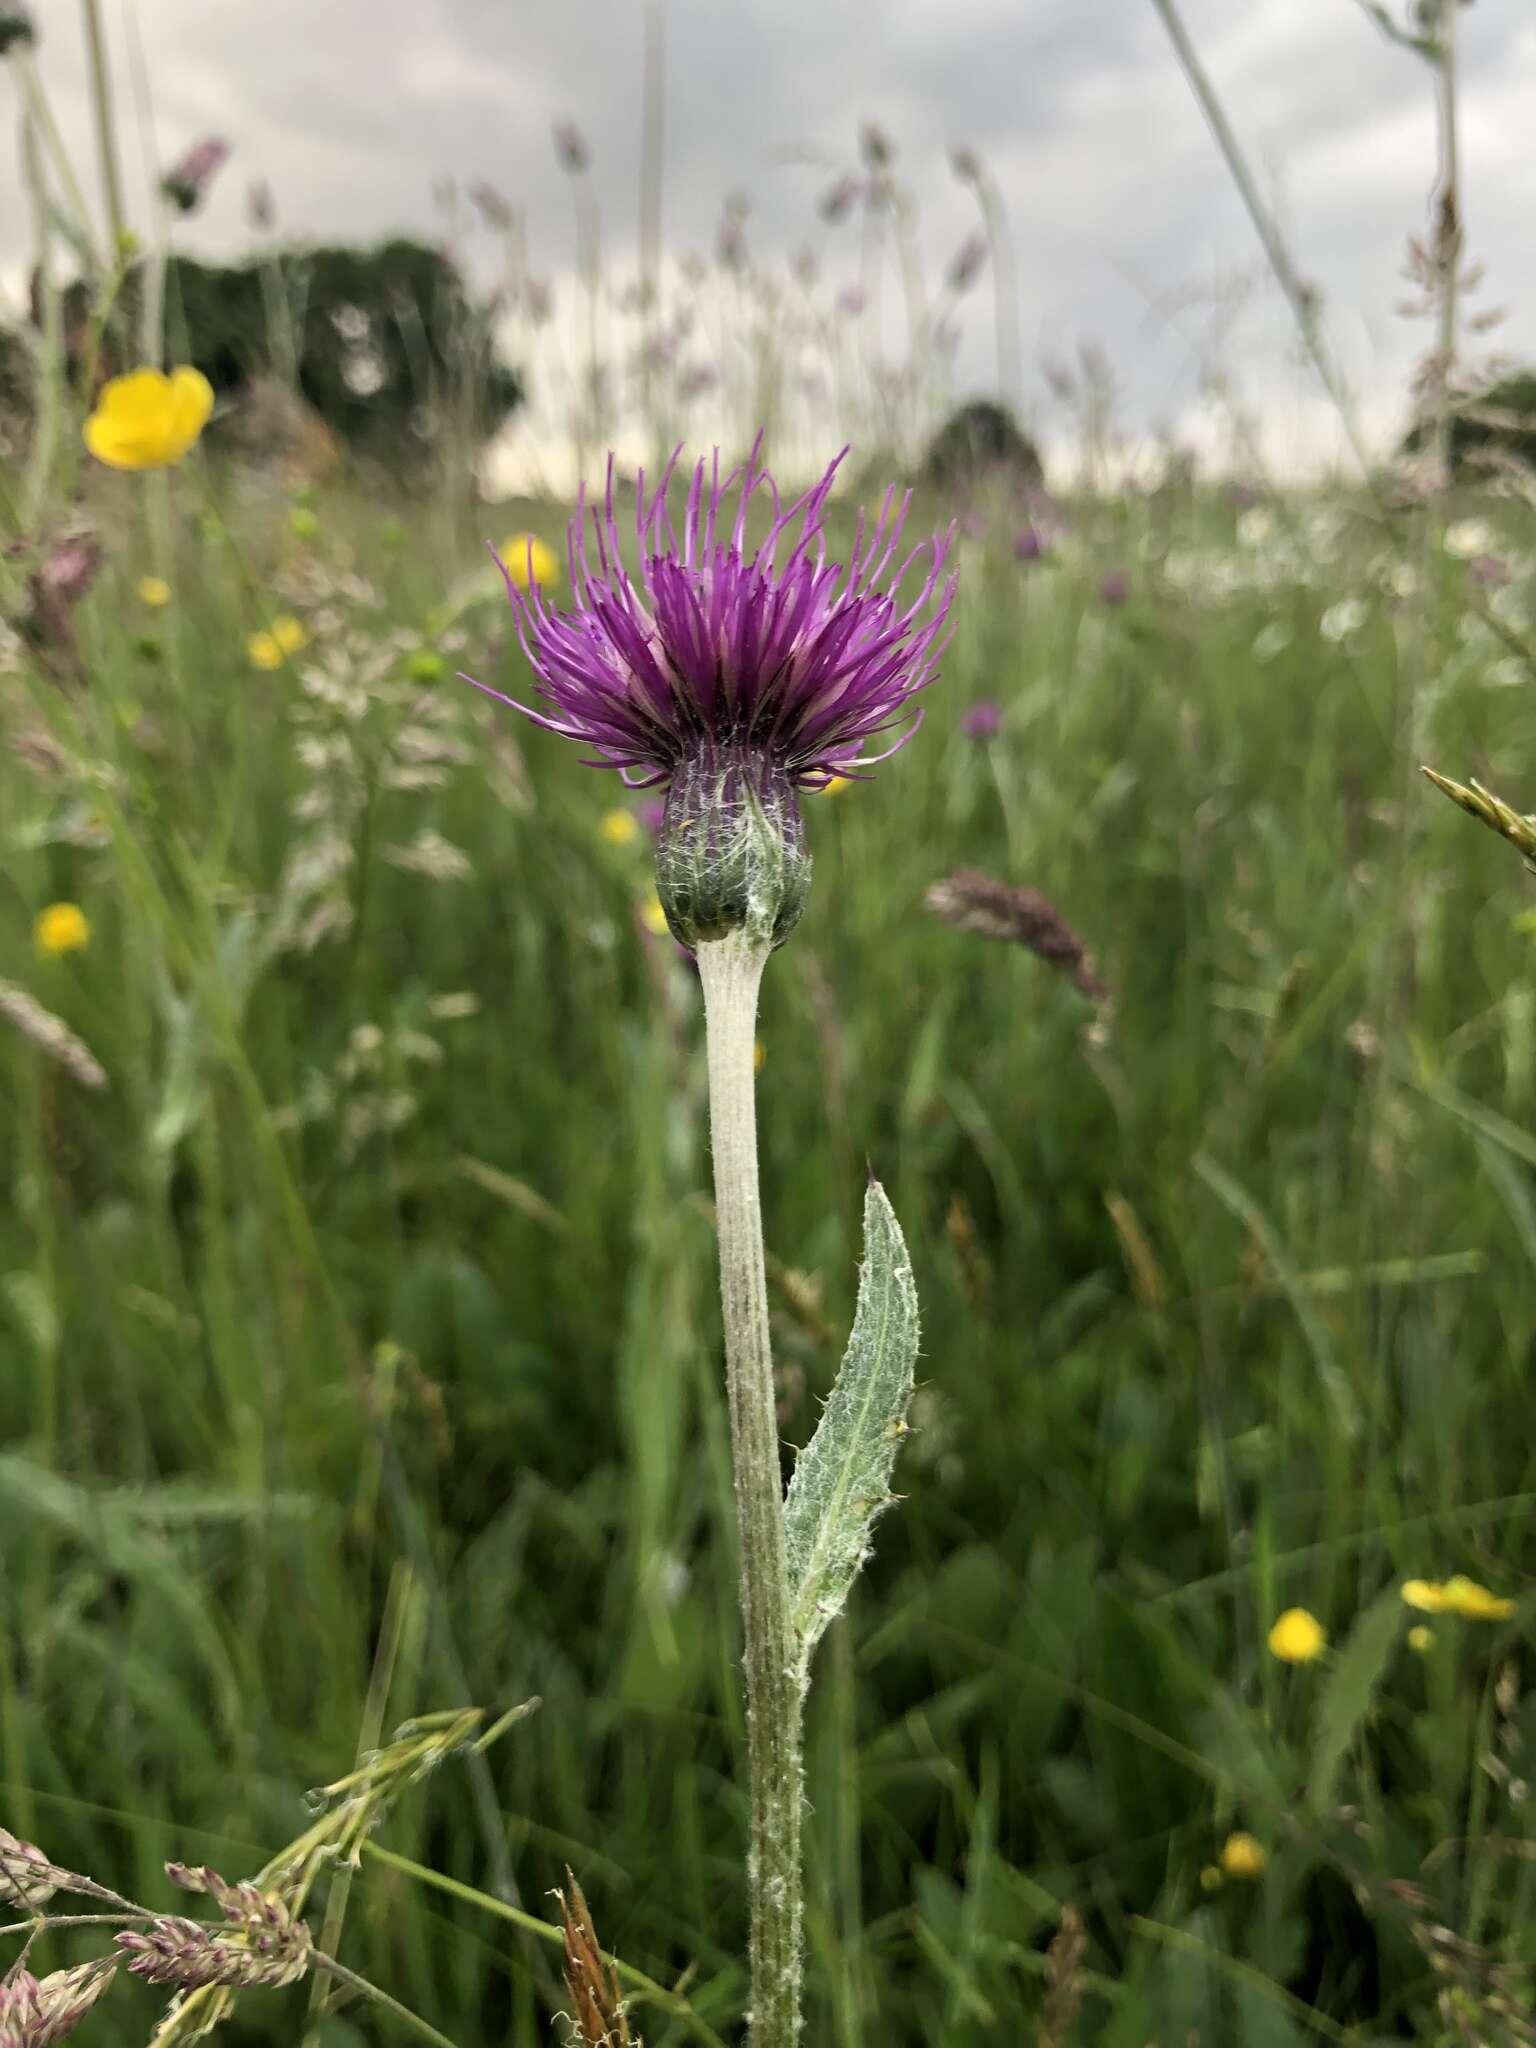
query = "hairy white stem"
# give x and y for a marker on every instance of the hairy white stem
(731, 970)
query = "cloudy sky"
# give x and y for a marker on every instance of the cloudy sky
(1126, 229)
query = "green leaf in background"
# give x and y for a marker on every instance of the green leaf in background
(842, 1481)
(1347, 1695)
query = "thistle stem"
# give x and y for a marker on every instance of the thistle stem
(731, 970)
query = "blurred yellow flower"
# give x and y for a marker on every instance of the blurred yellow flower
(264, 651)
(1421, 1639)
(653, 917)
(1458, 1595)
(1428, 1595)
(1210, 1878)
(289, 633)
(519, 551)
(619, 827)
(62, 928)
(1297, 1637)
(1466, 1597)
(154, 590)
(1243, 1856)
(147, 420)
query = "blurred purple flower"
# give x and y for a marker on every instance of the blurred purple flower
(1489, 570)
(697, 378)
(69, 568)
(850, 301)
(1115, 588)
(186, 183)
(983, 721)
(1030, 544)
(790, 667)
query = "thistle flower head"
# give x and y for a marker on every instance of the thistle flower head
(732, 675)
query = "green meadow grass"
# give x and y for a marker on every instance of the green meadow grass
(358, 1359)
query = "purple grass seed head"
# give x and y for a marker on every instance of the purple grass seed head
(18, 31)
(734, 677)
(186, 183)
(839, 200)
(571, 150)
(1115, 588)
(983, 721)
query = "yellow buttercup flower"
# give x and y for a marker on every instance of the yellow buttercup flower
(1458, 1595)
(1297, 1637)
(264, 651)
(1428, 1595)
(1243, 1856)
(289, 633)
(520, 551)
(154, 590)
(148, 420)
(1421, 1639)
(619, 827)
(1466, 1597)
(62, 928)
(653, 917)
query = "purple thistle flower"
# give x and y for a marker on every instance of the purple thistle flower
(734, 677)
(983, 721)
(1115, 588)
(799, 661)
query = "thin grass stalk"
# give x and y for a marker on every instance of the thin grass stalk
(1005, 290)
(652, 128)
(731, 972)
(397, 1607)
(105, 120)
(1448, 230)
(1299, 295)
(48, 358)
(35, 100)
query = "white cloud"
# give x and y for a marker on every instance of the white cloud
(1118, 199)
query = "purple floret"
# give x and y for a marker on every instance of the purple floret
(797, 661)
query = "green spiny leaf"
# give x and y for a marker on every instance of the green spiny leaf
(842, 1481)
(1346, 1698)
